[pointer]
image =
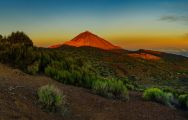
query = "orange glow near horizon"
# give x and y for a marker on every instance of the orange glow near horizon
(153, 43)
(141, 42)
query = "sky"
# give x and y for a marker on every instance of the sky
(131, 24)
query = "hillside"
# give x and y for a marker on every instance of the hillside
(18, 101)
(146, 67)
(149, 68)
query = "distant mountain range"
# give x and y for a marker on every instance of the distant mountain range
(183, 52)
(91, 40)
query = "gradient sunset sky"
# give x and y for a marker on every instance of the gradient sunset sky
(131, 24)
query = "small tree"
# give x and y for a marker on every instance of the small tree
(1, 37)
(19, 38)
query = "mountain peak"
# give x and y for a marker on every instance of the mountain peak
(87, 32)
(86, 35)
(89, 39)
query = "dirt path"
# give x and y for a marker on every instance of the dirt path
(18, 101)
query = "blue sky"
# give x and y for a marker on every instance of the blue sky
(130, 23)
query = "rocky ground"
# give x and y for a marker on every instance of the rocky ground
(18, 101)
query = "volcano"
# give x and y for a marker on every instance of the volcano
(88, 39)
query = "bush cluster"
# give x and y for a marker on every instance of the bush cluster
(183, 101)
(110, 88)
(17, 50)
(130, 83)
(168, 97)
(74, 74)
(50, 97)
(156, 94)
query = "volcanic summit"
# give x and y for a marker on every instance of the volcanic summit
(88, 39)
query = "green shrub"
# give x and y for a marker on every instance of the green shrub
(130, 83)
(100, 87)
(167, 99)
(77, 77)
(34, 68)
(156, 94)
(183, 100)
(50, 97)
(130, 86)
(87, 78)
(110, 88)
(176, 93)
(50, 71)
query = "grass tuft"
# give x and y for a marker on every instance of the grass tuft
(50, 97)
(110, 88)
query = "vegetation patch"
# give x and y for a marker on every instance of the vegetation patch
(71, 73)
(110, 88)
(156, 94)
(131, 84)
(167, 96)
(183, 101)
(33, 68)
(51, 98)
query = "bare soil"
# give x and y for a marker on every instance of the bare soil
(18, 101)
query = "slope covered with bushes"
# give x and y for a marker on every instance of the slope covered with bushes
(60, 65)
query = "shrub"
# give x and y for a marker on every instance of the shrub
(87, 78)
(130, 83)
(64, 76)
(110, 88)
(176, 93)
(34, 68)
(100, 87)
(130, 86)
(167, 99)
(50, 97)
(183, 100)
(1, 37)
(156, 94)
(19, 38)
(76, 75)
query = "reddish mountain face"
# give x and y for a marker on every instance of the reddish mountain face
(88, 39)
(55, 46)
(144, 56)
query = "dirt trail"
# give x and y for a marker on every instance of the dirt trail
(18, 101)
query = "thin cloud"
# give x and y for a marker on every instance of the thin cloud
(173, 18)
(169, 18)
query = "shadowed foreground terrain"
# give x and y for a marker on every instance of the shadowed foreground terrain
(18, 100)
